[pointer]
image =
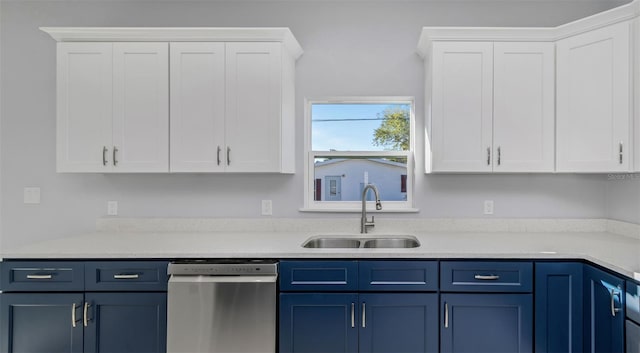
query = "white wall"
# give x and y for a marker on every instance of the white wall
(623, 197)
(351, 48)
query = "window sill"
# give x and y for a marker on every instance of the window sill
(359, 210)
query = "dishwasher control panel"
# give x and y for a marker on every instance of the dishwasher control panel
(223, 268)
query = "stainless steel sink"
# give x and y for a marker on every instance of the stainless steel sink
(402, 243)
(353, 242)
(332, 243)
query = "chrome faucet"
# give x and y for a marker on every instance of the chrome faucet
(364, 223)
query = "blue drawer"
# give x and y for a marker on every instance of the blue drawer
(486, 276)
(41, 276)
(126, 276)
(633, 301)
(398, 276)
(335, 276)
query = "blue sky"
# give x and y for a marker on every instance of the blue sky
(346, 135)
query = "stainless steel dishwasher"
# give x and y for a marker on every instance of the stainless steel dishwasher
(222, 306)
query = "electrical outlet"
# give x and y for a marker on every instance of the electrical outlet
(488, 206)
(112, 208)
(267, 208)
(32, 195)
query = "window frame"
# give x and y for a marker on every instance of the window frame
(310, 204)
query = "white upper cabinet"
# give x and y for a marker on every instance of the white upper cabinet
(492, 107)
(197, 107)
(85, 89)
(224, 102)
(227, 108)
(523, 107)
(461, 106)
(593, 108)
(556, 99)
(112, 107)
(253, 107)
(140, 107)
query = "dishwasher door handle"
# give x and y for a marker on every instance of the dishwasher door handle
(222, 279)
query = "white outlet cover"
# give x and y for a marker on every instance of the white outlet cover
(267, 208)
(32, 195)
(112, 208)
(488, 206)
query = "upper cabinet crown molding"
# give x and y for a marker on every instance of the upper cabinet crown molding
(527, 34)
(177, 34)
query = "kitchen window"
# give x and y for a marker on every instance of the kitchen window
(352, 142)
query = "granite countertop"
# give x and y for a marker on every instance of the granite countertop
(620, 253)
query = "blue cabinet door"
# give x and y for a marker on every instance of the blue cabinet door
(319, 322)
(603, 310)
(559, 301)
(398, 323)
(126, 323)
(41, 323)
(486, 323)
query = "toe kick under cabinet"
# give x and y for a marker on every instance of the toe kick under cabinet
(78, 306)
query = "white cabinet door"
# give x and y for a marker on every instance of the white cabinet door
(523, 107)
(253, 107)
(84, 107)
(140, 107)
(462, 106)
(593, 97)
(197, 107)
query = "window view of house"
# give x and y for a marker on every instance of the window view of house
(367, 143)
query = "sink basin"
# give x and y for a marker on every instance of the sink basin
(402, 243)
(353, 242)
(332, 243)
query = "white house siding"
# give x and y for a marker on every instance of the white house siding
(383, 174)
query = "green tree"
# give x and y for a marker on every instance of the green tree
(394, 131)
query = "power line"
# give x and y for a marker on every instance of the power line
(353, 119)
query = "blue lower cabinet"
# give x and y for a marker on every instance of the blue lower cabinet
(559, 305)
(398, 323)
(319, 322)
(126, 323)
(603, 311)
(41, 323)
(486, 323)
(351, 322)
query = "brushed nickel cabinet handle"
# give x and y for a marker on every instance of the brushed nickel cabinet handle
(85, 315)
(219, 149)
(446, 315)
(353, 315)
(228, 155)
(488, 155)
(364, 315)
(39, 276)
(614, 310)
(115, 160)
(620, 153)
(499, 155)
(126, 276)
(104, 155)
(73, 315)
(486, 277)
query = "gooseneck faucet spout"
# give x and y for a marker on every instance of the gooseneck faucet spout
(364, 223)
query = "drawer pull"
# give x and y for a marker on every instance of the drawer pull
(39, 276)
(126, 276)
(486, 277)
